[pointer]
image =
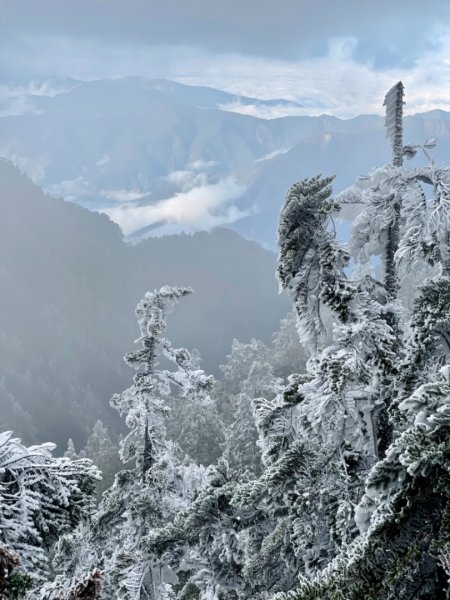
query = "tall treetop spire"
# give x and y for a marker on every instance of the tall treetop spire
(393, 101)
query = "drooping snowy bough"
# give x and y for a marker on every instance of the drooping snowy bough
(41, 497)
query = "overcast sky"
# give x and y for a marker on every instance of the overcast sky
(334, 56)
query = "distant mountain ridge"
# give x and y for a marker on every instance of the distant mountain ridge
(69, 289)
(162, 157)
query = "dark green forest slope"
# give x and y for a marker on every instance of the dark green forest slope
(68, 288)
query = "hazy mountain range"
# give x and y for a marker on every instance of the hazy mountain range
(69, 285)
(158, 157)
(161, 157)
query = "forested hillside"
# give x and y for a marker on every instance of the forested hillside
(69, 286)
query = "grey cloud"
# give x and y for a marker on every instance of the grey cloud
(387, 32)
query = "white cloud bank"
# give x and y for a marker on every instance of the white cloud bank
(123, 195)
(338, 82)
(199, 208)
(335, 83)
(263, 111)
(186, 179)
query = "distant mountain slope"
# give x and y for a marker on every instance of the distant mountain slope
(69, 288)
(161, 157)
(129, 134)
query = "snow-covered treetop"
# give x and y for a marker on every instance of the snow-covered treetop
(151, 314)
(311, 263)
(144, 403)
(394, 120)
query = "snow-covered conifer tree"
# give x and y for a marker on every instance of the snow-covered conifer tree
(248, 374)
(287, 353)
(196, 425)
(103, 452)
(41, 497)
(71, 452)
(401, 551)
(156, 486)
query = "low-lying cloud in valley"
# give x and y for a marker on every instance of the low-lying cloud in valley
(123, 195)
(200, 207)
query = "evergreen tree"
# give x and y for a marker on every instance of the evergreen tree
(104, 454)
(235, 372)
(254, 371)
(41, 497)
(196, 425)
(156, 487)
(288, 355)
(71, 452)
(236, 391)
(401, 551)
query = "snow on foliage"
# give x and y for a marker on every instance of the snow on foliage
(41, 497)
(401, 515)
(157, 484)
(354, 449)
(348, 494)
